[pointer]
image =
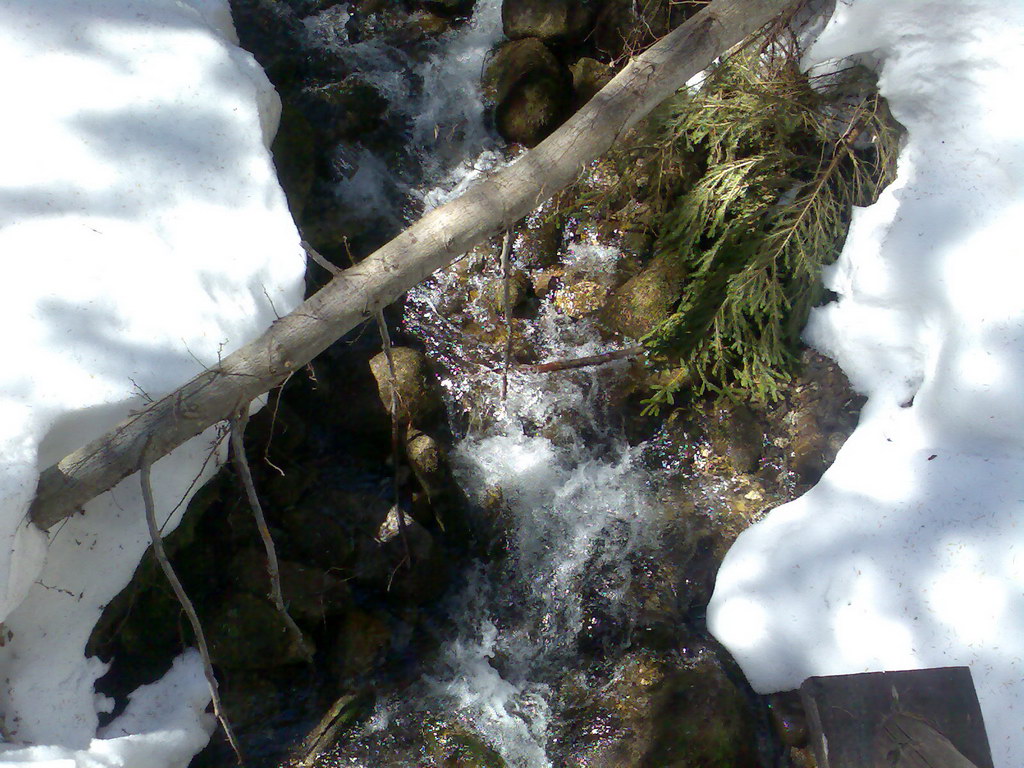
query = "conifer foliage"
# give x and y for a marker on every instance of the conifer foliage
(773, 162)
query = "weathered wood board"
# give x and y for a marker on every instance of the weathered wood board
(927, 718)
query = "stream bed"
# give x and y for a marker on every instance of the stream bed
(526, 588)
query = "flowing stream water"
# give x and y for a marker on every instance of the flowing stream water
(575, 497)
(577, 509)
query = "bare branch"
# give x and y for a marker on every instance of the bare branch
(273, 570)
(186, 604)
(506, 277)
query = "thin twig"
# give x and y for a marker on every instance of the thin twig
(238, 423)
(317, 257)
(186, 604)
(583, 362)
(385, 339)
(273, 423)
(506, 246)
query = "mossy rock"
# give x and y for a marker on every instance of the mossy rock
(247, 632)
(417, 392)
(588, 77)
(452, 746)
(344, 110)
(553, 20)
(362, 641)
(540, 242)
(646, 300)
(705, 721)
(625, 27)
(320, 529)
(657, 711)
(249, 698)
(311, 594)
(734, 433)
(531, 88)
(580, 298)
(519, 287)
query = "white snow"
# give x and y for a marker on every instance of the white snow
(910, 551)
(143, 235)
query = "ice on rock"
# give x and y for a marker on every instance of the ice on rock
(143, 236)
(910, 551)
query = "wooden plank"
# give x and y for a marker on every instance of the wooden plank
(926, 718)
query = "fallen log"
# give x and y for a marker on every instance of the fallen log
(440, 236)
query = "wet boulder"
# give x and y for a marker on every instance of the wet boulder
(428, 462)
(554, 20)
(453, 746)
(416, 389)
(655, 710)
(734, 433)
(580, 298)
(247, 632)
(519, 287)
(646, 300)
(311, 594)
(539, 242)
(344, 110)
(362, 641)
(626, 27)
(531, 88)
(320, 528)
(588, 77)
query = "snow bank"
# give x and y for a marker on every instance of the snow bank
(910, 551)
(143, 235)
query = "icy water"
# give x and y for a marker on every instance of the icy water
(572, 496)
(575, 504)
(571, 503)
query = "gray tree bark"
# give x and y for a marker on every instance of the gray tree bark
(431, 243)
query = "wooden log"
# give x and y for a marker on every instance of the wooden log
(925, 718)
(432, 242)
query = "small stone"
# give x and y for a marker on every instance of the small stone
(588, 77)
(518, 290)
(429, 464)
(580, 299)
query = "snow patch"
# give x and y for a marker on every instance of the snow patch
(145, 236)
(909, 553)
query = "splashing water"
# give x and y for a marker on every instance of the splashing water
(570, 493)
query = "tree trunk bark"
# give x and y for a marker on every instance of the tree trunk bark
(429, 244)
